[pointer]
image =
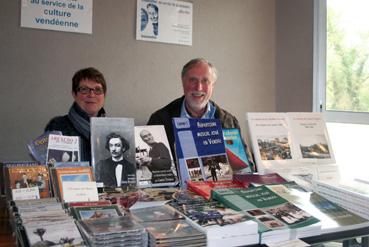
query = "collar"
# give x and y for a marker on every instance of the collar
(209, 113)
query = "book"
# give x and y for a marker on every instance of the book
(271, 211)
(71, 164)
(69, 174)
(289, 139)
(333, 218)
(154, 161)
(236, 153)
(63, 149)
(348, 193)
(258, 179)
(3, 178)
(204, 188)
(19, 177)
(113, 152)
(38, 146)
(200, 150)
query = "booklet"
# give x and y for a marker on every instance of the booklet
(200, 150)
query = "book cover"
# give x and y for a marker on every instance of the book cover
(200, 150)
(289, 139)
(269, 209)
(63, 149)
(38, 146)
(113, 152)
(27, 177)
(69, 174)
(204, 188)
(154, 161)
(4, 179)
(235, 149)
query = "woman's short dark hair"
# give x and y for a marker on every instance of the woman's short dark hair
(88, 74)
(125, 143)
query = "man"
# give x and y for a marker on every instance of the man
(153, 13)
(213, 167)
(88, 91)
(116, 171)
(198, 80)
(158, 160)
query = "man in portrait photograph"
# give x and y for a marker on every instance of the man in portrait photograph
(116, 171)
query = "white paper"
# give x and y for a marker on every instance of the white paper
(26, 193)
(58, 15)
(80, 191)
(167, 21)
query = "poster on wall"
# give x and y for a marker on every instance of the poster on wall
(167, 21)
(59, 15)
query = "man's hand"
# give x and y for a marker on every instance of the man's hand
(145, 161)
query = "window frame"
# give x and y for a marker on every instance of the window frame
(319, 71)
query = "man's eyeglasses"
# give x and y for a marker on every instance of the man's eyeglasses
(87, 90)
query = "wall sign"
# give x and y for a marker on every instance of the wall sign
(167, 21)
(59, 15)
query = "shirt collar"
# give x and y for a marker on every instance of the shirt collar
(209, 113)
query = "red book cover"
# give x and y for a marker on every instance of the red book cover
(204, 188)
(85, 204)
(271, 178)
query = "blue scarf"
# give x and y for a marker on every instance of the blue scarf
(81, 121)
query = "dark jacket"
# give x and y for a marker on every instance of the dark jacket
(164, 117)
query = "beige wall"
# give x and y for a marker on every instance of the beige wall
(36, 66)
(294, 53)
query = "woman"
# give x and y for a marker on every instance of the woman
(88, 91)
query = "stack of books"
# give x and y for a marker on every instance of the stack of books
(353, 195)
(115, 231)
(223, 226)
(278, 219)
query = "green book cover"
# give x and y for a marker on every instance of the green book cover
(269, 209)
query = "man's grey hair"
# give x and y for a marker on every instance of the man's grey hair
(195, 61)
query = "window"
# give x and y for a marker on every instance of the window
(341, 48)
(341, 79)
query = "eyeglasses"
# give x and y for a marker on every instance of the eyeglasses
(87, 90)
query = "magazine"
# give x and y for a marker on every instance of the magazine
(154, 161)
(113, 152)
(200, 150)
(38, 146)
(63, 149)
